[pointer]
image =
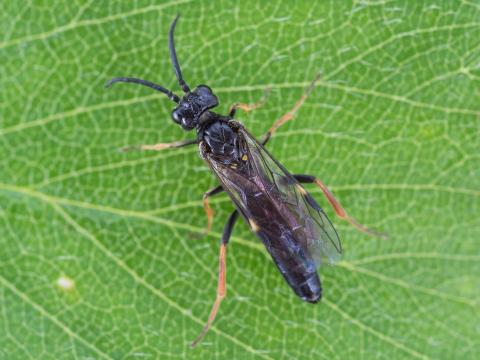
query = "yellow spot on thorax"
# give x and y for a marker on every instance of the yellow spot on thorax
(244, 157)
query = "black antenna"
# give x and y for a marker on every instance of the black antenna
(146, 83)
(173, 57)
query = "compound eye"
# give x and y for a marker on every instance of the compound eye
(204, 89)
(176, 116)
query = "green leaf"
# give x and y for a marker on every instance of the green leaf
(97, 260)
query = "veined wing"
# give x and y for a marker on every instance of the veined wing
(272, 200)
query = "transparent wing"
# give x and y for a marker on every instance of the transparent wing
(317, 233)
(291, 222)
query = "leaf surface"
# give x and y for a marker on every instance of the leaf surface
(97, 260)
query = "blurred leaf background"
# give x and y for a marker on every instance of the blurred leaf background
(393, 128)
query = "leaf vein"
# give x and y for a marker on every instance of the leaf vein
(374, 332)
(140, 280)
(75, 24)
(51, 317)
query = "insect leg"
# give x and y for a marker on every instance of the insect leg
(206, 206)
(339, 210)
(161, 146)
(222, 275)
(249, 107)
(290, 114)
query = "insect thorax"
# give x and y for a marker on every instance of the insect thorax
(222, 141)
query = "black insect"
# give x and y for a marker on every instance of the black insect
(293, 227)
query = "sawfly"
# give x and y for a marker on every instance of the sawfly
(293, 227)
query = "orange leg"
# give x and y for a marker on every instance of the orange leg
(161, 146)
(249, 107)
(222, 277)
(289, 115)
(339, 210)
(207, 208)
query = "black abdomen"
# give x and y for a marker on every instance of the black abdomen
(298, 269)
(281, 240)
